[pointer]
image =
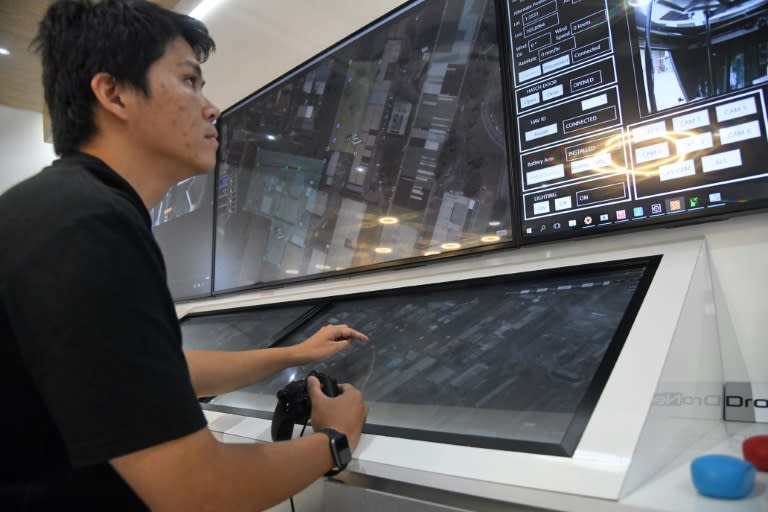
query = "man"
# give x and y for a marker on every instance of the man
(102, 410)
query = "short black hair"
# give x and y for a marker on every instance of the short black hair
(79, 38)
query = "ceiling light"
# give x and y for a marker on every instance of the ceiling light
(4, 51)
(203, 9)
(383, 250)
(388, 220)
(494, 223)
(490, 238)
(450, 246)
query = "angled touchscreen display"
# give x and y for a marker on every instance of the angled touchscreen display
(240, 330)
(389, 146)
(512, 362)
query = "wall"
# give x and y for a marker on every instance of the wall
(21, 145)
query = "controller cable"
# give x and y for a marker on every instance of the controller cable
(300, 434)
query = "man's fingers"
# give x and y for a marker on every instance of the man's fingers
(313, 386)
(345, 332)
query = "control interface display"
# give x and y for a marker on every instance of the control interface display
(634, 114)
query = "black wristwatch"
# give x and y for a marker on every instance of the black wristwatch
(339, 450)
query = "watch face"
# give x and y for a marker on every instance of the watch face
(344, 455)
(339, 448)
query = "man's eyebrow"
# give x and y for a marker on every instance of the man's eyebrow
(194, 65)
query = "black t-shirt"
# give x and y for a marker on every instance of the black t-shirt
(91, 365)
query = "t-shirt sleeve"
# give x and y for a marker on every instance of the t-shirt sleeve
(98, 333)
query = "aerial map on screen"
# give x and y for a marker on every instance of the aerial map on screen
(503, 358)
(389, 146)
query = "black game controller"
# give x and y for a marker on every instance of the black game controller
(294, 406)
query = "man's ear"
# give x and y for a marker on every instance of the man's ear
(110, 94)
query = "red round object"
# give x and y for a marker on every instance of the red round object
(755, 451)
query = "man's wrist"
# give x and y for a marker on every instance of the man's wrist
(296, 355)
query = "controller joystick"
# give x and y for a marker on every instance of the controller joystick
(295, 407)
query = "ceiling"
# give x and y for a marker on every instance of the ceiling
(20, 72)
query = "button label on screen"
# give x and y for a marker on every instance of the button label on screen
(652, 152)
(690, 121)
(736, 109)
(720, 161)
(745, 131)
(677, 170)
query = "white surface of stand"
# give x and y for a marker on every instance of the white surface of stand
(670, 490)
(606, 463)
(657, 412)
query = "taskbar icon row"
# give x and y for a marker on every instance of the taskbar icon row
(596, 218)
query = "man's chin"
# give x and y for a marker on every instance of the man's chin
(205, 168)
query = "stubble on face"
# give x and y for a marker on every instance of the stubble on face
(178, 118)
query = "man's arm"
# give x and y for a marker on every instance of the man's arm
(217, 372)
(196, 472)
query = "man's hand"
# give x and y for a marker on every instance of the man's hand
(345, 413)
(326, 342)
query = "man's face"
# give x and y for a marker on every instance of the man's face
(174, 125)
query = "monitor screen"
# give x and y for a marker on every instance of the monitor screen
(182, 223)
(512, 362)
(388, 147)
(240, 330)
(638, 114)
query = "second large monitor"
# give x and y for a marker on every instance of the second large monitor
(387, 147)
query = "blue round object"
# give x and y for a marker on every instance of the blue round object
(722, 476)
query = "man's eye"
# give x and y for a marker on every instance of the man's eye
(191, 80)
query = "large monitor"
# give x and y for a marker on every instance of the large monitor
(511, 362)
(388, 147)
(637, 113)
(182, 223)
